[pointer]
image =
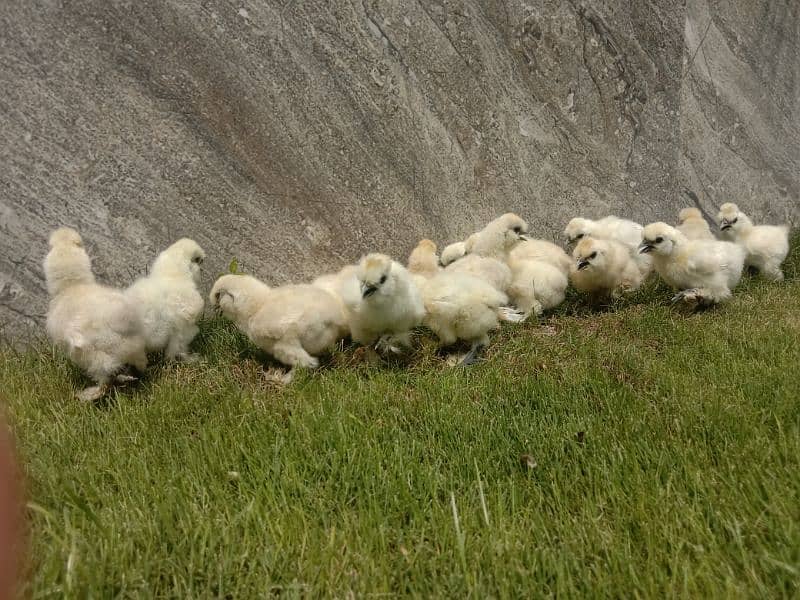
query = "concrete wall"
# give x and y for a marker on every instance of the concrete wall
(296, 135)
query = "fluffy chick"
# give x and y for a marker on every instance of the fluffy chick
(293, 323)
(390, 305)
(98, 327)
(704, 271)
(692, 224)
(604, 267)
(488, 251)
(623, 231)
(542, 251)
(536, 286)
(169, 301)
(458, 307)
(461, 307)
(766, 245)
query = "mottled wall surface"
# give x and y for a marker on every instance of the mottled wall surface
(296, 135)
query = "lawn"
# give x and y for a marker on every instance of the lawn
(630, 450)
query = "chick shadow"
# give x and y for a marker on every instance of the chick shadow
(577, 304)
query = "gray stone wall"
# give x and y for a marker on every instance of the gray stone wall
(296, 135)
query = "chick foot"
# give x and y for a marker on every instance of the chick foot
(510, 315)
(690, 296)
(92, 394)
(279, 376)
(387, 344)
(190, 358)
(473, 356)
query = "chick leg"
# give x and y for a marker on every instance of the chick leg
(178, 346)
(103, 369)
(394, 343)
(772, 271)
(139, 361)
(291, 353)
(473, 356)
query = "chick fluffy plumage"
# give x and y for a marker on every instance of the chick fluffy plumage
(692, 224)
(542, 251)
(452, 252)
(390, 303)
(169, 300)
(766, 245)
(536, 286)
(488, 251)
(704, 271)
(623, 231)
(604, 266)
(423, 262)
(293, 323)
(98, 327)
(458, 306)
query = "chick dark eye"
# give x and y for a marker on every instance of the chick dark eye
(517, 229)
(734, 221)
(659, 239)
(383, 279)
(198, 260)
(593, 255)
(579, 236)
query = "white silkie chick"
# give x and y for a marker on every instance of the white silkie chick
(98, 327)
(704, 271)
(536, 286)
(542, 251)
(169, 300)
(692, 224)
(604, 267)
(293, 323)
(767, 245)
(458, 307)
(623, 231)
(423, 263)
(390, 305)
(488, 251)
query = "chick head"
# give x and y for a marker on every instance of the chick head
(577, 229)
(184, 256)
(498, 237)
(452, 253)
(376, 276)
(423, 259)
(514, 229)
(659, 238)
(689, 213)
(65, 236)
(728, 217)
(591, 253)
(237, 295)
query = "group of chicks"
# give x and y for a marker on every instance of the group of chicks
(497, 274)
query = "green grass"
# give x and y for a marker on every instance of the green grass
(631, 451)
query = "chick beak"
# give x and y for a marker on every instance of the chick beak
(726, 225)
(645, 248)
(582, 264)
(368, 290)
(523, 237)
